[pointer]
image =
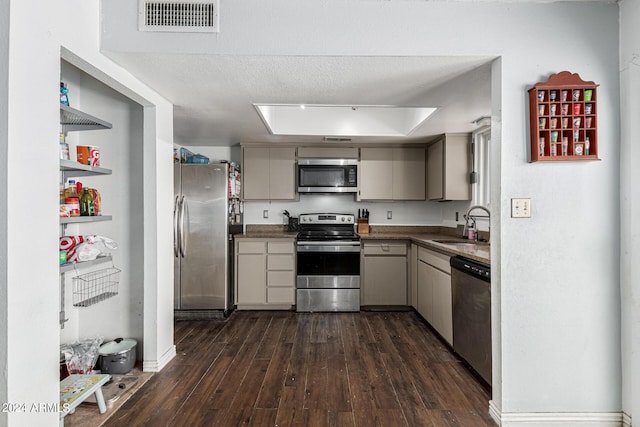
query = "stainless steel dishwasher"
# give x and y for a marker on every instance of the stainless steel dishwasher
(471, 297)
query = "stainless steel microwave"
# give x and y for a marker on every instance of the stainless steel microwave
(327, 176)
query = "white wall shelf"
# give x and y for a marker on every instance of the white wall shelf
(71, 168)
(82, 219)
(82, 264)
(72, 120)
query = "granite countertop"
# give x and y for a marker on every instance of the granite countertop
(266, 232)
(478, 251)
(425, 236)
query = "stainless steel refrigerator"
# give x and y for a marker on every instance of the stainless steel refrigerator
(202, 237)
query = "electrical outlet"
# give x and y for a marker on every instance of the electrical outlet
(265, 213)
(389, 215)
(520, 208)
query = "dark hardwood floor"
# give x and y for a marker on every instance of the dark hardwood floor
(264, 368)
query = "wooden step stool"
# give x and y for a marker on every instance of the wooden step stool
(76, 388)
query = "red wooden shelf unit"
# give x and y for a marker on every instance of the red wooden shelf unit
(563, 115)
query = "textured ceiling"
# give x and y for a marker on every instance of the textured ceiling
(213, 94)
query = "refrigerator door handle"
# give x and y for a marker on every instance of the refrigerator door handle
(176, 235)
(184, 211)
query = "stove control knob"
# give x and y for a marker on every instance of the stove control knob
(342, 219)
(349, 219)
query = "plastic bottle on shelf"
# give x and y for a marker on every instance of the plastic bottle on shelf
(86, 202)
(64, 94)
(70, 190)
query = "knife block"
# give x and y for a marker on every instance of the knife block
(363, 226)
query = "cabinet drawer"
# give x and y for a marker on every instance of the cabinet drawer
(280, 262)
(251, 247)
(280, 278)
(436, 259)
(281, 295)
(284, 247)
(385, 249)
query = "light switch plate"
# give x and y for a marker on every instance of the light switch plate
(520, 208)
(265, 213)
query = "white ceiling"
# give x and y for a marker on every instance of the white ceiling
(214, 94)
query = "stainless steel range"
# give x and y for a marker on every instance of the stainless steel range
(328, 263)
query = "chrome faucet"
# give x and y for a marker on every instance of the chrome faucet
(473, 218)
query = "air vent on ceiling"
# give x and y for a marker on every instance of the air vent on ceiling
(179, 16)
(336, 139)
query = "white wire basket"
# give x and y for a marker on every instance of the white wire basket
(92, 288)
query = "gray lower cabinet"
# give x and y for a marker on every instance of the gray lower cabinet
(434, 300)
(425, 292)
(265, 273)
(384, 273)
(413, 276)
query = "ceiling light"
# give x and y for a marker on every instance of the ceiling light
(342, 120)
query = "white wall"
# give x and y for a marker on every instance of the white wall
(630, 203)
(30, 332)
(32, 236)
(557, 274)
(4, 246)
(403, 213)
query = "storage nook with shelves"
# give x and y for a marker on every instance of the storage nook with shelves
(86, 289)
(563, 119)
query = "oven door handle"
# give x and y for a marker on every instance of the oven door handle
(329, 247)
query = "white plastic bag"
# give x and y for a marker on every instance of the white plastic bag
(82, 356)
(86, 248)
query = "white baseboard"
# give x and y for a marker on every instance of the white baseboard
(556, 419)
(158, 365)
(494, 412)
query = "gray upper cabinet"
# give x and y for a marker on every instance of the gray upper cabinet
(376, 174)
(269, 173)
(448, 168)
(408, 174)
(392, 173)
(255, 173)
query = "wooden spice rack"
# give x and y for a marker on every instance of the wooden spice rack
(564, 119)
